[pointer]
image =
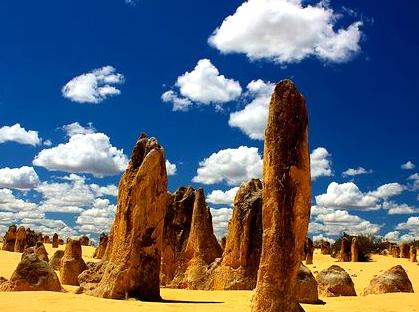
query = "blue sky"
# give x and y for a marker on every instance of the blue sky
(89, 76)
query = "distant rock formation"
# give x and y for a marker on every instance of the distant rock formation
(133, 254)
(55, 261)
(39, 237)
(177, 226)
(202, 247)
(404, 251)
(240, 262)
(55, 240)
(345, 250)
(325, 248)
(391, 281)
(308, 251)
(31, 238)
(306, 290)
(335, 282)
(47, 240)
(396, 252)
(32, 274)
(84, 240)
(103, 243)
(354, 250)
(413, 253)
(9, 239)
(72, 263)
(286, 200)
(60, 241)
(20, 242)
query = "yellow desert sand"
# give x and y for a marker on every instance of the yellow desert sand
(195, 300)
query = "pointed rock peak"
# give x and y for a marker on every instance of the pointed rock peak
(141, 149)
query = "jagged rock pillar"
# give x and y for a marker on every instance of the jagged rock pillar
(354, 250)
(286, 200)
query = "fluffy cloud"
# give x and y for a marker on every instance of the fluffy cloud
(18, 134)
(219, 197)
(320, 163)
(411, 225)
(19, 178)
(233, 165)
(285, 31)
(220, 218)
(338, 221)
(75, 128)
(84, 153)
(170, 168)
(253, 117)
(108, 190)
(408, 166)
(203, 85)
(97, 219)
(415, 182)
(346, 195)
(395, 208)
(355, 171)
(388, 190)
(9, 202)
(94, 86)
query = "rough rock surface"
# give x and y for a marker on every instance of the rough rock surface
(55, 261)
(396, 252)
(392, 280)
(334, 282)
(32, 274)
(55, 240)
(20, 242)
(177, 226)
(134, 248)
(72, 263)
(84, 240)
(325, 248)
(354, 250)
(31, 238)
(10, 238)
(404, 251)
(413, 253)
(41, 252)
(240, 262)
(103, 243)
(306, 290)
(345, 250)
(202, 247)
(308, 251)
(286, 200)
(88, 279)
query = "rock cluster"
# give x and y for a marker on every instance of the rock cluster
(103, 243)
(72, 263)
(325, 248)
(32, 274)
(392, 280)
(20, 242)
(9, 239)
(286, 200)
(133, 254)
(335, 282)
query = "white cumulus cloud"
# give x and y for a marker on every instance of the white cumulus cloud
(320, 163)
(220, 218)
(233, 166)
(350, 172)
(219, 197)
(19, 178)
(285, 31)
(170, 168)
(18, 134)
(94, 86)
(408, 166)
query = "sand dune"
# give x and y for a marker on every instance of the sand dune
(220, 301)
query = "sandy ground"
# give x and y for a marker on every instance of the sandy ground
(220, 301)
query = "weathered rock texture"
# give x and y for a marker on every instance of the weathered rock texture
(134, 248)
(84, 240)
(396, 252)
(9, 239)
(335, 282)
(177, 226)
(103, 243)
(308, 251)
(20, 242)
(325, 248)
(240, 262)
(345, 250)
(393, 280)
(31, 238)
(354, 250)
(306, 290)
(55, 261)
(72, 263)
(32, 274)
(413, 253)
(286, 200)
(202, 247)
(41, 252)
(88, 279)
(405, 251)
(55, 240)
